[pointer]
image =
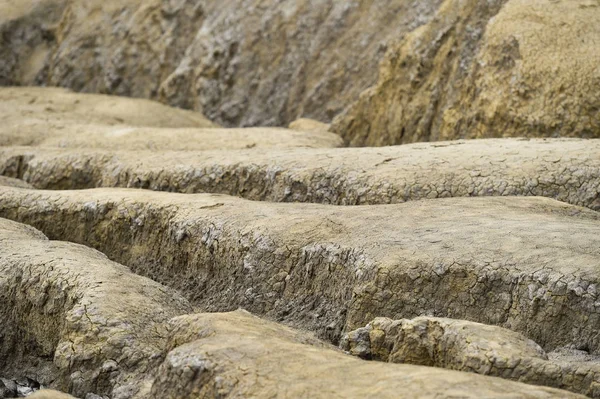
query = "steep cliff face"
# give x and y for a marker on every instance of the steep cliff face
(451, 68)
(242, 62)
(486, 69)
(26, 38)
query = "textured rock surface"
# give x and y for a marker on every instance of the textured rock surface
(567, 170)
(494, 68)
(27, 35)
(529, 264)
(242, 62)
(71, 318)
(240, 356)
(55, 117)
(452, 68)
(467, 346)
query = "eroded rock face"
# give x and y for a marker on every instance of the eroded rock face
(72, 319)
(528, 264)
(500, 68)
(238, 355)
(27, 36)
(452, 68)
(242, 62)
(473, 347)
(567, 170)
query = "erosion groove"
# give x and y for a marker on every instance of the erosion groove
(467, 346)
(75, 320)
(524, 263)
(86, 325)
(567, 170)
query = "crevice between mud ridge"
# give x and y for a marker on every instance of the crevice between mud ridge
(529, 264)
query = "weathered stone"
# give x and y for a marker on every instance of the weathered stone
(242, 63)
(498, 68)
(27, 35)
(74, 320)
(473, 347)
(238, 355)
(529, 264)
(567, 170)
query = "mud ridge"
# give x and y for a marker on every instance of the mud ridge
(566, 170)
(529, 264)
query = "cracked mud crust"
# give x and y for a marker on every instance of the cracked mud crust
(87, 326)
(238, 355)
(73, 319)
(567, 170)
(529, 264)
(473, 347)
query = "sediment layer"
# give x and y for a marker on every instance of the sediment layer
(529, 264)
(566, 170)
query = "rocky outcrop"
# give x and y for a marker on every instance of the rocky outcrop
(500, 68)
(72, 319)
(57, 118)
(27, 36)
(473, 347)
(528, 264)
(567, 170)
(238, 355)
(242, 63)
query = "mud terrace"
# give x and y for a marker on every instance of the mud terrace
(566, 170)
(110, 332)
(59, 118)
(146, 252)
(526, 263)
